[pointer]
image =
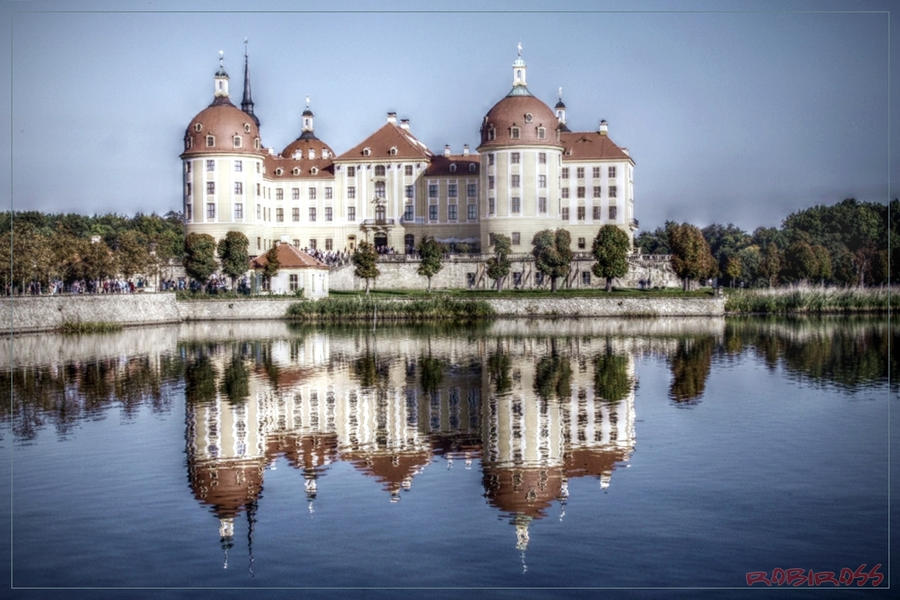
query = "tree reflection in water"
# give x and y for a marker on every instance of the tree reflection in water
(690, 368)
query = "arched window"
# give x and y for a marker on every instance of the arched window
(237, 141)
(492, 133)
(393, 150)
(471, 167)
(210, 141)
(379, 170)
(367, 151)
(453, 168)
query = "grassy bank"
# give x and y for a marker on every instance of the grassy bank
(532, 293)
(360, 308)
(78, 327)
(814, 300)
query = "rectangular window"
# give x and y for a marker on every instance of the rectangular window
(597, 191)
(542, 181)
(516, 238)
(516, 205)
(210, 187)
(258, 212)
(328, 213)
(595, 172)
(238, 166)
(379, 170)
(433, 212)
(210, 165)
(279, 215)
(586, 277)
(312, 193)
(579, 172)
(542, 205)
(564, 173)
(379, 189)
(491, 159)
(471, 190)
(490, 182)
(451, 190)
(542, 158)
(295, 214)
(612, 191)
(596, 213)
(472, 212)
(329, 244)
(328, 193)
(296, 243)
(407, 170)
(351, 171)
(581, 243)
(258, 245)
(517, 278)
(581, 213)
(258, 190)
(292, 282)
(187, 189)
(312, 213)
(580, 191)
(187, 167)
(409, 213)
(279, 194)
(351, 213)
(211, 210)
(432, 190)
(612, 172)
(612, 213)
(351, 192)
(541, 133)
(565, 213)
(258, 168)
(514, 181)
(295, 193)
(410, 191)
(188, 213)
(313, 243)
(492, 206)
(514, 158)
(238, 188)
(514, 133)
(565, 192)
(451, 212)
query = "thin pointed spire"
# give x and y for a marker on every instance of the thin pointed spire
(247, 100)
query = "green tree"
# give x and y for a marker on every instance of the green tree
(656, 241)
(233, 253)
(690, 369)
(733, 268)
(98, 261)
(725, 242)
(553, 375)
(431, 372)
(552, 254)
(498, 265)
(611, 379)
(750, 259)
(199, 256)
(365, 260)
(270, 269)
(691, 258)
(132, 253)
(610, 250)
(431, 253)
(770, 263)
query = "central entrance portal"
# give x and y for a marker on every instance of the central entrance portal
(381, 241)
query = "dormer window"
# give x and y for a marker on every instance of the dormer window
(295, 171)
(367, 151)
(325, 154)
(491, 134)
(312, 154)
(529, 117)
(256, 143)
(453, 168)
(541, 133)
(246, 127)
(279, 171)
(514, 133)
(314, 170)
(393, 151)
(210, 141)
(471, 167)
(379, 170)
(187, 143)
(237, 141)
(198, 127)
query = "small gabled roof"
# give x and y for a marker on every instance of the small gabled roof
(380, 144)
(310, 168)
(289, 258)
(590, 145)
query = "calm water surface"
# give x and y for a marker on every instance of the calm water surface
(646, 453)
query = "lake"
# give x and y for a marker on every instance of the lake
(666, 453)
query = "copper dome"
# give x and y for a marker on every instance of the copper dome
(303, 144)
(225, 123)
(523, 112)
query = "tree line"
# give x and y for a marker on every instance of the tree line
(849, 243)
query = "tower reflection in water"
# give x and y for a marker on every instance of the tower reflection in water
(535, 412)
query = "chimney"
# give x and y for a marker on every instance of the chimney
(447, 150)
(392, 118)
(404, 124)
(625, 150)
(604, 127)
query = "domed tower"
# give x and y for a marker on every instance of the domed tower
(223, 166)
(521, 156)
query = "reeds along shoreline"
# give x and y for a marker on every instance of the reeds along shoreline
(77, 327)
(809, 299)
(366, 309)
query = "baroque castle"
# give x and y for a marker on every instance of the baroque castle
(530, 172)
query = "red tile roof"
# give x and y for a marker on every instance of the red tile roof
(289, 258)
(440, 164)
(317, 168)
(590, 145)
(380, 144)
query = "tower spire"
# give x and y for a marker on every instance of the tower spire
(247, 100)
(220, 90)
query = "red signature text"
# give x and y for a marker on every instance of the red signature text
(796, 576)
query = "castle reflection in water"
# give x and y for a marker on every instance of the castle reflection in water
(533, 412)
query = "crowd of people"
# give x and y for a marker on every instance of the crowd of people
(82, 286)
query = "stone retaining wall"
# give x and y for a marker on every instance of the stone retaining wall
(43, 313)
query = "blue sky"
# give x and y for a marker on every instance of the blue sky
(736, 112)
